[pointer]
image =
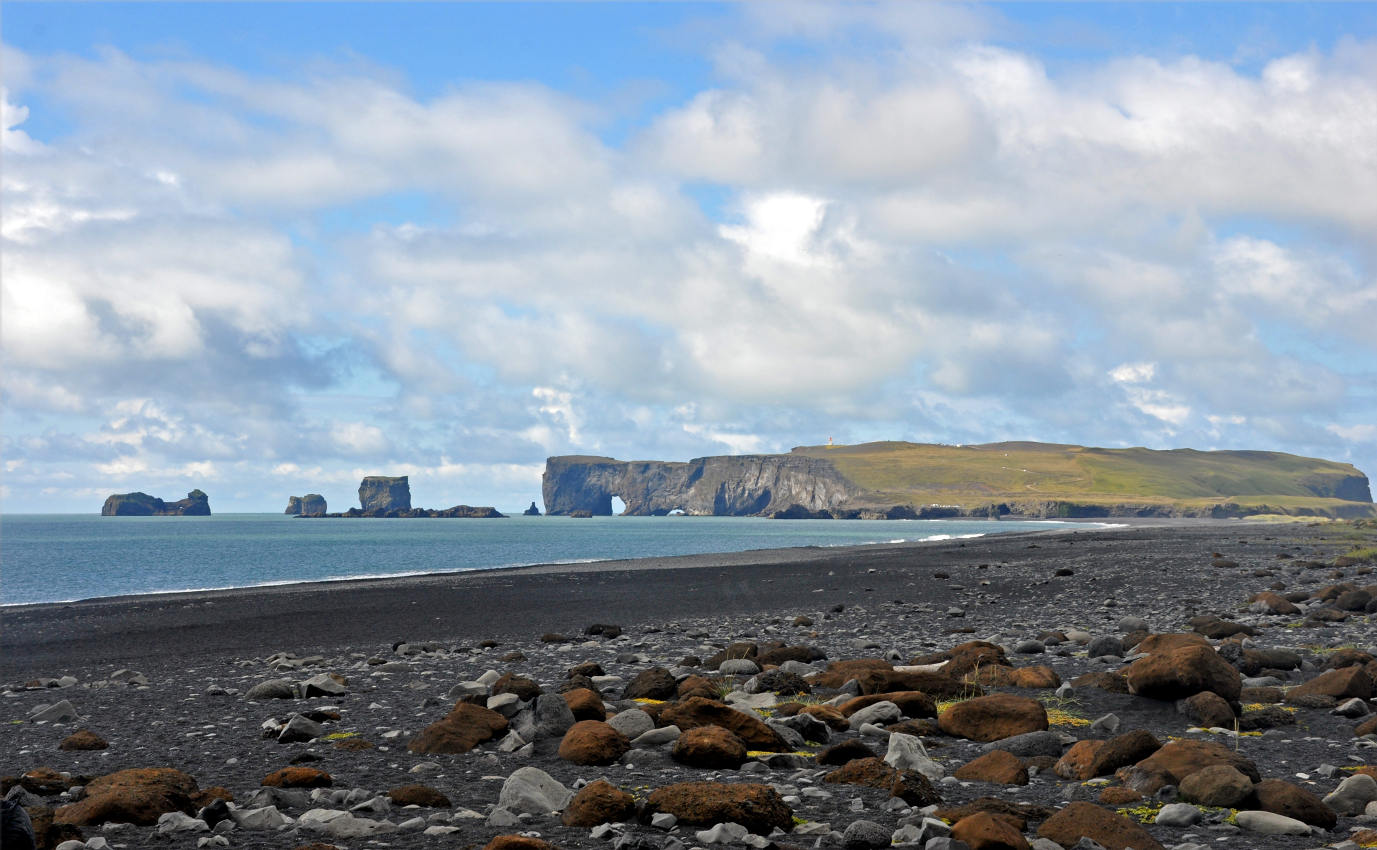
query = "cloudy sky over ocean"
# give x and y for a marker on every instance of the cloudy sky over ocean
(265, 249)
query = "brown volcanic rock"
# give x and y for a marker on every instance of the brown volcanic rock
(972, 655)
(1179, 759)
(49, 835)
(1079, 761)
(839, 673)
(298, 777)
(1105, 680)
(1087, 820)
(935, 685)
(43, 781)
(1017, 814)
(585, 704)
(846, 751)
(138, 796)
(911, 703)
(913, 788)
(828, 714)
(1274, 603)
(997, 766)
(993, 717)
(593, 742)
(1217, 785)
(83, 739)
(655, 683)
(599, 802)
(710, 747)
(418, 795)
(465, 727)
(1039, 677)
(1172, 640)
(1182, 672)
(1342, 683)
(510, 683)
(1208, 709)
(700, 686)
(757, 807)
(1293, 801)
(984, 831)
(697, 711)
(1088, 759)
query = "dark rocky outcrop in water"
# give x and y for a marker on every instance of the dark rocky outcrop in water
(531, 511)
(382, 497)
(456, 512)
(312, 504)
(380, 494)
(741, 485)
(196, 503)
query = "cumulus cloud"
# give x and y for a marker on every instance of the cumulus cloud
(940, 240)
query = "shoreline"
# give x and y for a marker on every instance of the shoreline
(507, 602)
(769, 554)
(742, 557)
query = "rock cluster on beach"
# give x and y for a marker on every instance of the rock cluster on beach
(1059, 712)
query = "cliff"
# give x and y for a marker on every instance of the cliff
(707, 486)
(312, 504)
(196, 503)
(380, 494)
(921, 481)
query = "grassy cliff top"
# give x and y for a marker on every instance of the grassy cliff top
(920, 473)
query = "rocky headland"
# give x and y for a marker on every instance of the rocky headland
(1207, 685)
(740, 485)
(196, 503)
(384, 497)
(312, 504)
(916, 481)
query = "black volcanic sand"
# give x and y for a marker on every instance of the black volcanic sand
(201, 651)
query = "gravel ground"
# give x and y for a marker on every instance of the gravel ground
(201, 652)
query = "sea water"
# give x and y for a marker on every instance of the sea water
(57, 558)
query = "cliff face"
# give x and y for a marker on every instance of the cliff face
(196, 503)
(312, 504)
(381, 494)
(707, 486)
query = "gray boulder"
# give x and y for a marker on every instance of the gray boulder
(532, 790)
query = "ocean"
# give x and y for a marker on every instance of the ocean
(60, 558)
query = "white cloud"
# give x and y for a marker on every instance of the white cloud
(943, 239)
(358, 438)
(1356, 433)
(1133, 373)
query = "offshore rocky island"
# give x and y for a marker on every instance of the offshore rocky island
(389, 497)
(896, 480)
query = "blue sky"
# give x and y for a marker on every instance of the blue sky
(265, 249)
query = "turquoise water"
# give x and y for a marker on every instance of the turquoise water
(56, 558)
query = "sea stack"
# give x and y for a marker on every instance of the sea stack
(196, 503)
(531, 511)
(379, 494)
(312, 504)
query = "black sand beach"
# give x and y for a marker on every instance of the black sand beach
(515, 603)
(201, 652)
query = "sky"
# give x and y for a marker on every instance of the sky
(266, 249)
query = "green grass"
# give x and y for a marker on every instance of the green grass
(971, 476)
